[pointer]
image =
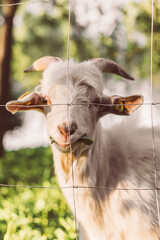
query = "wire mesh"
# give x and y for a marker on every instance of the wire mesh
(80, 187)
(69, 104)
(86, 104)
(23, 3)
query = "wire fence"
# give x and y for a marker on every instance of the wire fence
(80, 187)
(23, 3)
(69, 104)
(84, 104)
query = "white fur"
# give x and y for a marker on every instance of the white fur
(120, 157)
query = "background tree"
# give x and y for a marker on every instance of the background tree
(8, 13)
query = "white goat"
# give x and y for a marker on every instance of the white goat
(117, 160)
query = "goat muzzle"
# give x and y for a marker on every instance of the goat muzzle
(67, 129)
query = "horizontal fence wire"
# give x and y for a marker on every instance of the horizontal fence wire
(84, 104)
(81, 187)
(22, 3)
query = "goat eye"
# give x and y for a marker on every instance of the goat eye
(97, 100)
(46, 100)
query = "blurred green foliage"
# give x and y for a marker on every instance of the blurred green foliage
(32, 213)
(45, 32)
(137, 20)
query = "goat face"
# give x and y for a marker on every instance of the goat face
(74, 122)
(73, 101)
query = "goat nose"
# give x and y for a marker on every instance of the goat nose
(67, 129)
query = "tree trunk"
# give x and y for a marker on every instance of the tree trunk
(5, 59)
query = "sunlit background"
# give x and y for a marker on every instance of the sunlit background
(119, 30)
(116, 29)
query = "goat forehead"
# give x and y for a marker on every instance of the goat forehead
(80, 74)
(82, 93)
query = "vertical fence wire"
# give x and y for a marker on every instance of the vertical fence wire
(152, 122)
(68, 116)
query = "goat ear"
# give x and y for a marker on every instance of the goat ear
(120, 105)
(33, 101)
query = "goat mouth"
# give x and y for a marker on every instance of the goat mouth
(71, 147)
(64, 148)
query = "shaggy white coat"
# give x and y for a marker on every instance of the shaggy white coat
(121, 157)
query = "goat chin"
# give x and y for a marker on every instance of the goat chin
(76, 148)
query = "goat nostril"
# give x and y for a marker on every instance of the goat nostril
(65, 129)
(73, 128)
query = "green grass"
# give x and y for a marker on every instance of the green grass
(31, 213)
